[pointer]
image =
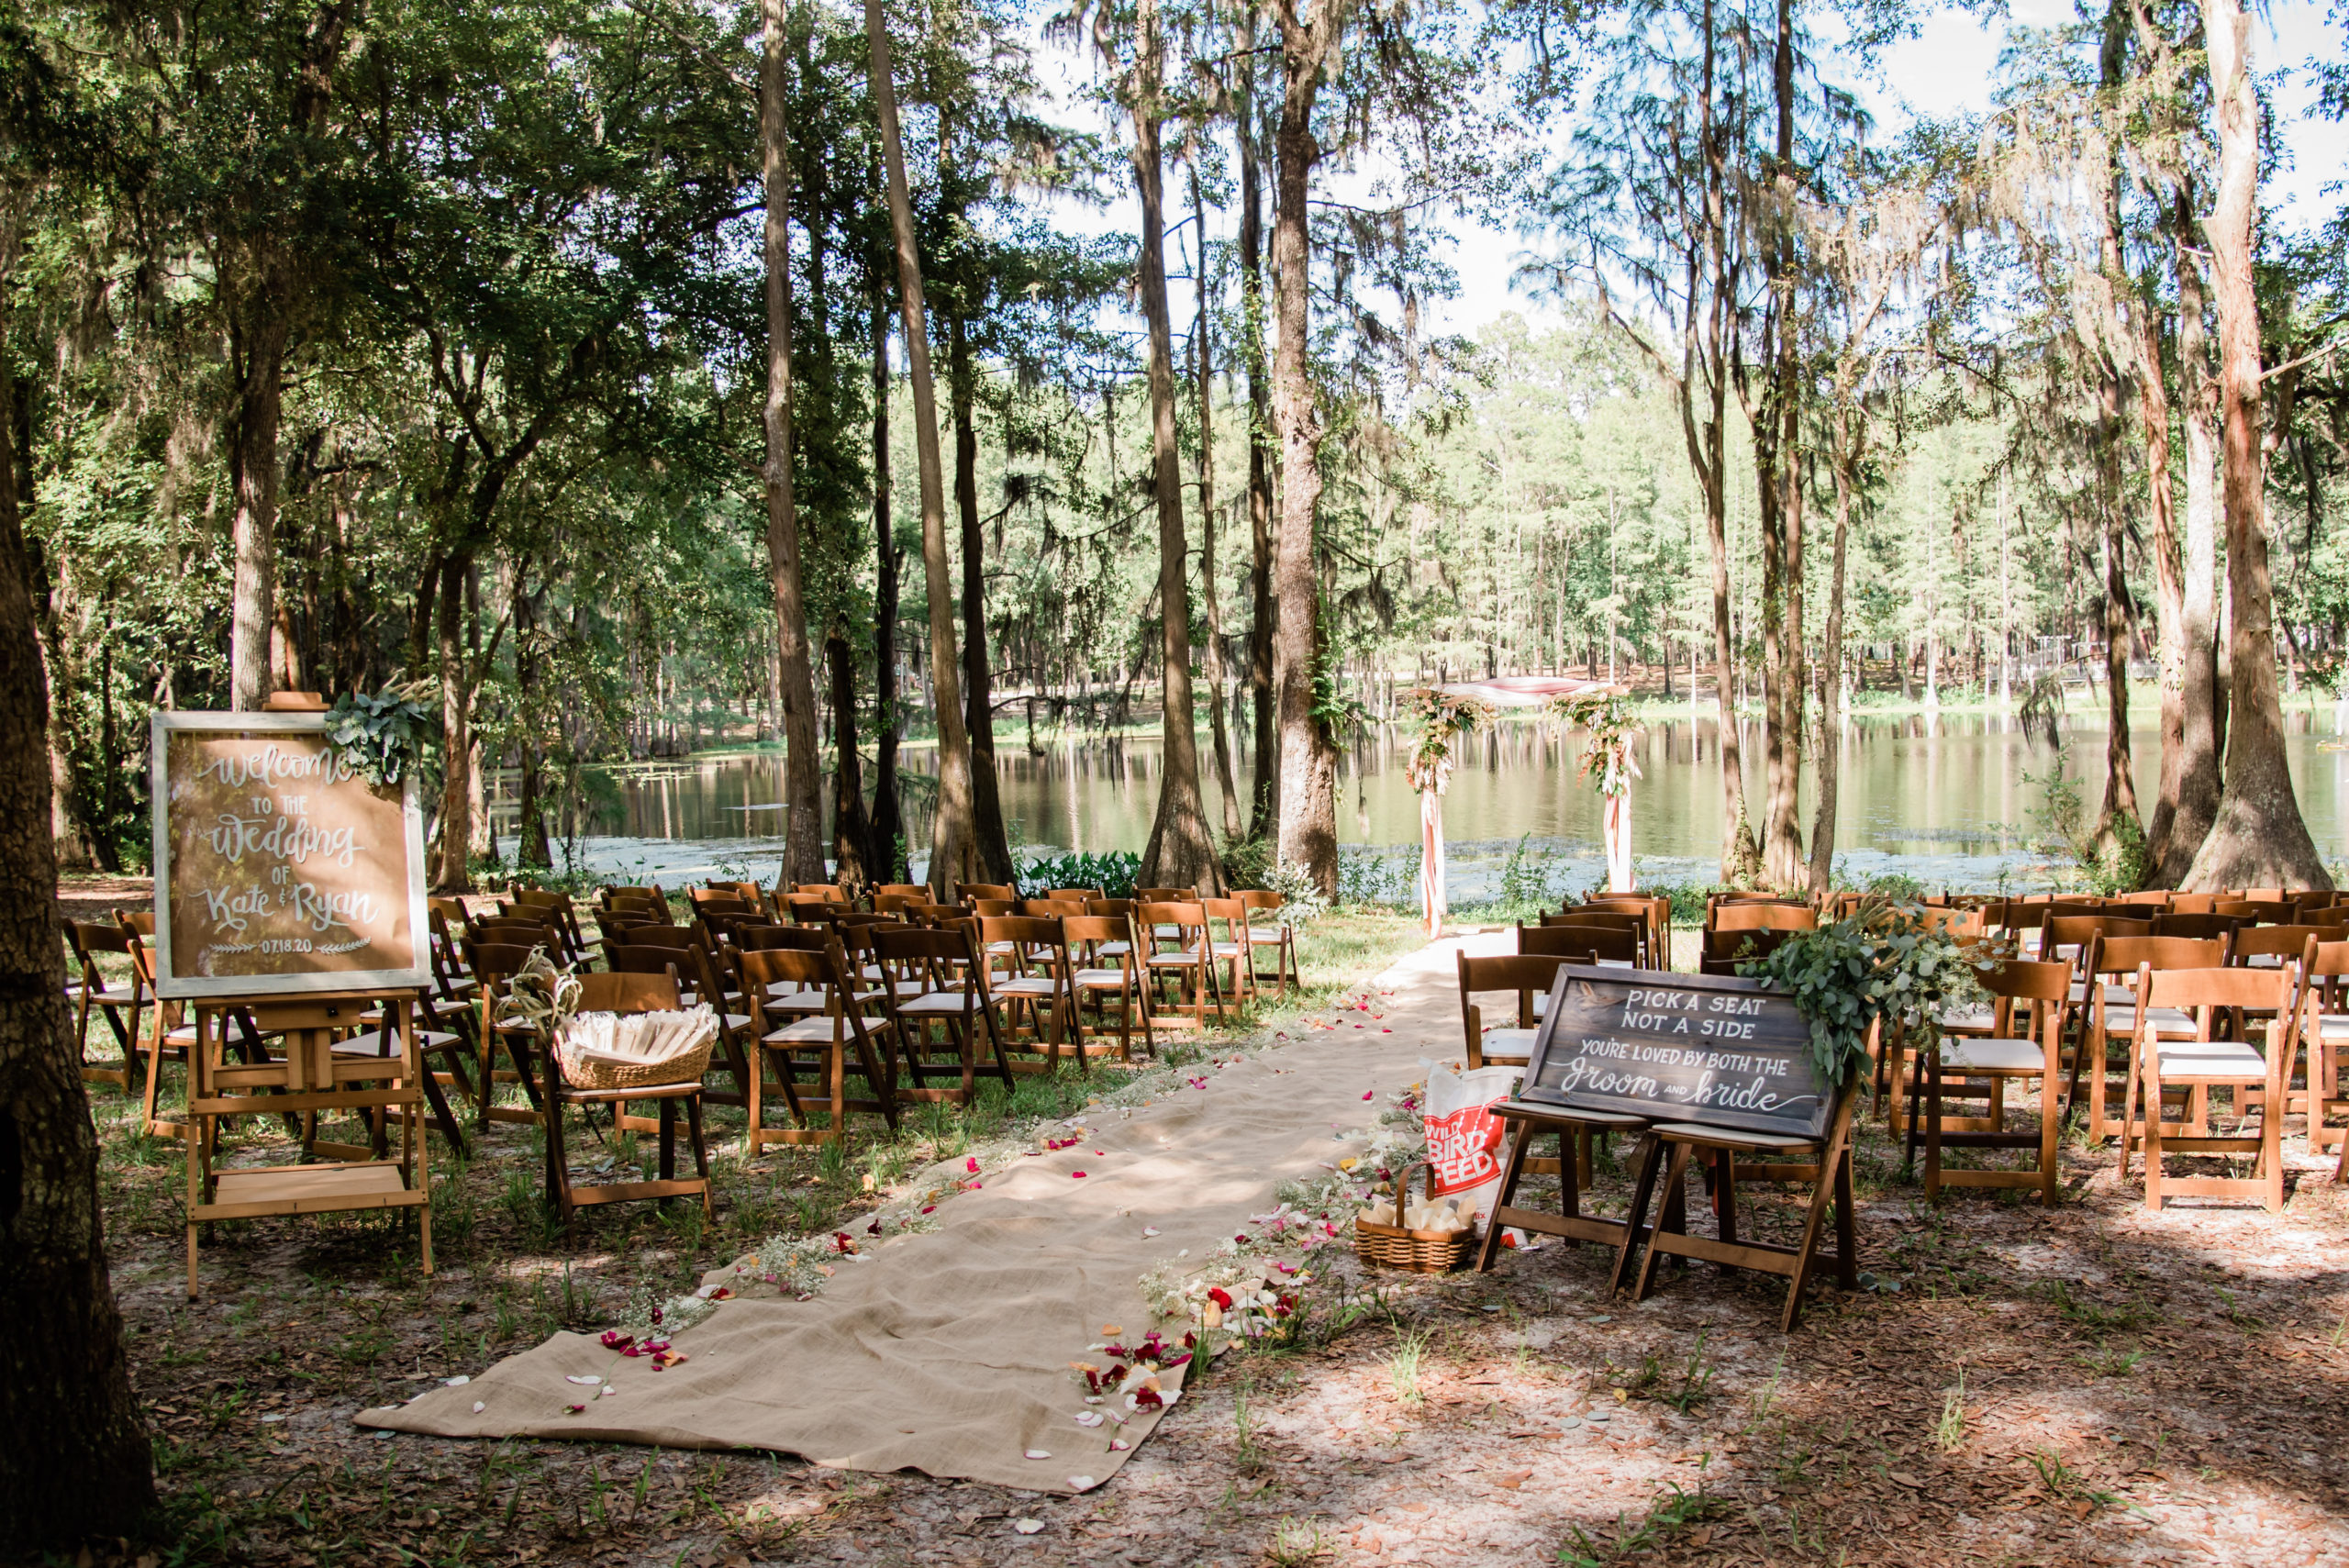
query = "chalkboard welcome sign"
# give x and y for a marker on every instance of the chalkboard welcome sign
(1714, 1049)
(278, 868)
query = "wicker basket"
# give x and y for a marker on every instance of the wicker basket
(1417, 1251)
(601, 1072)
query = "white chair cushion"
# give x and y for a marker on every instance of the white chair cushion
(935, 1003)
(808, 1031)
(1509, 1042)
(1025, 985)
(1971, 1055)
(1101, 978)
(2169, 1023)
(2333, 1026)
(2212, 1057)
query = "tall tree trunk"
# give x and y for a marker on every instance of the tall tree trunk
(884, 859)
(1263, 609)
(851, 833)
(257, 353)
(1831, 683)
(74, 1461)
(987, 799)
(1779, 484)
(2153, 421)
(1202, 343)
(1308, 808)
(952, 842)
(2259, 839)
(2201, 698)
(452, 872)
(2118, 818)
(803, 844)
(1181, 852)
(531, 848)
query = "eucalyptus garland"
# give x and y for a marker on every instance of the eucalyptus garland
(1883, 961)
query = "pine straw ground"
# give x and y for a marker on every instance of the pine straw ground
(2088, 1385)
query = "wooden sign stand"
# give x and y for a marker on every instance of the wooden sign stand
(316, 1072)
(1670, 1237)
(1705, 1065)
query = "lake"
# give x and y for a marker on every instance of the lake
(1949, 799)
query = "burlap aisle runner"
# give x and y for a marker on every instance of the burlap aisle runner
(948, 1352)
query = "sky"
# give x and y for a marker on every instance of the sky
(1943, 71)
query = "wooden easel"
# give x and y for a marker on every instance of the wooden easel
(1573, 1131)
(1830, 1173)
(310, 1077)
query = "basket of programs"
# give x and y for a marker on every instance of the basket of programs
(635, 1051)
(1434, 1236)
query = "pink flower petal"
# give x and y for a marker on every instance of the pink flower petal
(972, 1164)
(1078, 1175)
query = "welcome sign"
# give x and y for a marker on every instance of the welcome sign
(1710, 1049)
(278, 867)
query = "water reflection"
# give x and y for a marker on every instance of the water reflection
(1910, 785)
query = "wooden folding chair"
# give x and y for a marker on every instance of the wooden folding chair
(1525, 975)
(1080, 894)
(310, 1079)
(946, 996)
(839, 1038)
(2025, 1041)
(1036, 987)
(963, 892)
(1281, 939)
(2202, 927)
(1654, 910)
(1100, 973)
(2160, 1067)
(2110, 967)
(1232, 954)
(2325, 1033)
(495, 966)
(624, 994)
(122, 1004)
(1615, 946)
(1671, 1146)
(1175, 949)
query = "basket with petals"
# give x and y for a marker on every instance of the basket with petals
(1417, 1251)
(635, 1051)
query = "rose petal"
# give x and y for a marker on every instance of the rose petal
(1077, 1175)
(972, 1164)
(1082, 1483)
(479, 1407)
(1118, 1445)
(1088, 1418)
(591, 1379)
(1029, 1527)
(1367, 1093)
(574, 1409)
(1150, 1230)
(1039, 1453)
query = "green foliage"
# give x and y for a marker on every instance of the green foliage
(1113, 873)
(1882, 962)
(383, 738)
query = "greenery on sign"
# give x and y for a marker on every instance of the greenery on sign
(1886, 962)
(383, 738)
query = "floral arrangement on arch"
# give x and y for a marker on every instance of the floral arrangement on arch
(1608, 717)
(1443, 718)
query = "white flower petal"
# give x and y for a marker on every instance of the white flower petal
(479, 1407)
(590, 1379)
(1088, 1418)
(1039, 1453)
(1082, 1483)
(1029, 1527)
